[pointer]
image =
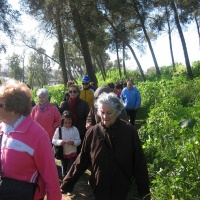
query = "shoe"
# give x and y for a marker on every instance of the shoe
(69, 194)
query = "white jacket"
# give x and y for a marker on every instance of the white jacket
(68, 134)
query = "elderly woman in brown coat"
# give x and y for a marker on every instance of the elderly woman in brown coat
(112, 148)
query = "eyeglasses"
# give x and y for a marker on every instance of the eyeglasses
(73, 91)
(85, 83)
(2, 105)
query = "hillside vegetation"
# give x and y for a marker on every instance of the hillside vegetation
(170, 130)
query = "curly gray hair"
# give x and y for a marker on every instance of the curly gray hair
(42, 91)
(112, 100)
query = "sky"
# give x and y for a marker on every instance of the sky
(160, 46)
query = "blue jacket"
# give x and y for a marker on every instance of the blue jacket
(131, 98)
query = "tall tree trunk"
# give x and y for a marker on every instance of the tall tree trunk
(61, 47)
(68, 63)
(124, 66)
(118, 62)
(137, 61)
(170, 39)
(100, 67)
(83, 40)
(147, 37)
(187, 62)
(197, 24)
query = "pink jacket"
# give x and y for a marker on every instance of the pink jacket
(26, 153)
(49, 119)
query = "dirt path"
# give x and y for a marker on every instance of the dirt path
(82, 190)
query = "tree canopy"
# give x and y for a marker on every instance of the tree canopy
(8, 20)
(86, 30)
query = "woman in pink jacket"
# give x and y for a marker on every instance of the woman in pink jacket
(45, 113)
(26, 152)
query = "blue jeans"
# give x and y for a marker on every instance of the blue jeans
(66, 165)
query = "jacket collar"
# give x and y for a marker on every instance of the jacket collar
(6, 128)
(113, 126)
(21, 127)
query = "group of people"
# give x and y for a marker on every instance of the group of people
(130, 96)
(97, 132)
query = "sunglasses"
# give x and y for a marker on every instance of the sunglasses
(73, 91)
(85, 83)
(2, 105)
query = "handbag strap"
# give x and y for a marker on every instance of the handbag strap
(1, 137)
(60, 132)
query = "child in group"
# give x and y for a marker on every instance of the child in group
(70, 140)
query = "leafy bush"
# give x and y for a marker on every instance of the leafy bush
(172, 144)
(56, 93)
(196, 68)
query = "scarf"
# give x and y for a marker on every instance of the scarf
(73, 103)
(42, 107)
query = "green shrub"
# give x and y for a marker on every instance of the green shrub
(172, 150)
(56, 92)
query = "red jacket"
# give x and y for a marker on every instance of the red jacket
(26, 153)
(49, 119)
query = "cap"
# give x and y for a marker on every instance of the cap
(85, 79)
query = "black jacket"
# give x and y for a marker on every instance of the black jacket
(82, 109)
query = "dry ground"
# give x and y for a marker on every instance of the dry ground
(82, 190)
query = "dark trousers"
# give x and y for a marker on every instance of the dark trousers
(66, 165)
(132, 115)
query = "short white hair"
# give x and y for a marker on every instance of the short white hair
(43, 91)
(110, 99)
